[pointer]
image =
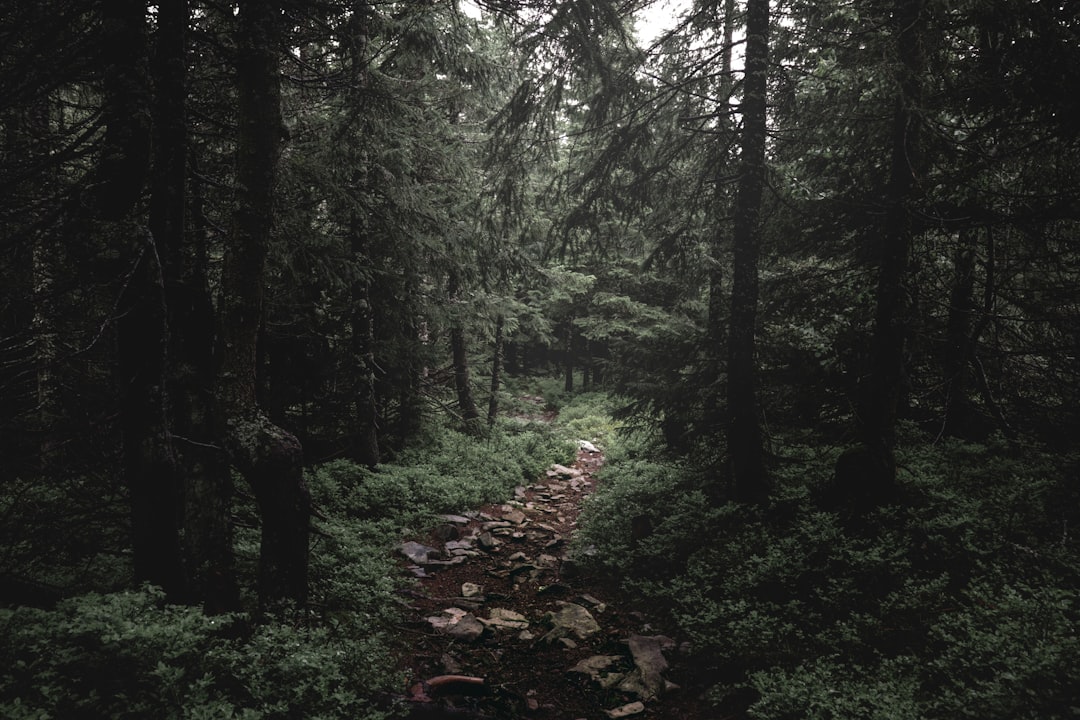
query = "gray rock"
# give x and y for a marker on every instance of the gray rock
(467, 628)
(515, 516)
(504, 619)
(634, 708)
(646, 681)
(571, 620)
(446, 531)
(418, 553)
(598, 668)
(455, 545)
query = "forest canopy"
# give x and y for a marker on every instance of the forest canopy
(280, 280)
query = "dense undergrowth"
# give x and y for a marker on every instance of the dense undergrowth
(958, 601)
(128, 654)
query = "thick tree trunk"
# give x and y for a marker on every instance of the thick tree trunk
(268, 456)
(878, 408)
(749, 476)
(496, 372)
(204, 478)
(142, 329)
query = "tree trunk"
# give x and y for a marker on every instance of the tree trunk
(142, 328)
(568, 356)
(717, 315)
(510, 358)
(365, 443)
(269, 457)
(878, 411)
(205, 482)
(747, 463)
(496, 372)
(459, 350)
(958, 339)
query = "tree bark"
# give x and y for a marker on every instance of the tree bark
(365, 441)
(878, 411)
(365, 444)
(142, 328)
(747, 463)
(203, 476)
(958, 339)
(568, 356)
(496, 372)
(717, 315)
(269, 457)
(459, 351)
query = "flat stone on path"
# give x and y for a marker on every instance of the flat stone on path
(467, 628)
(646, 681)
(587, 446)
(506, 619)
(570, 620)
(597, 668)
(515, 516)
(634, 708)
(418, 552)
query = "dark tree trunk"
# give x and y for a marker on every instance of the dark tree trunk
(717, 315)
(459, 350)
(496, 372)
(365, 442)
(586, 368)
(744, 436)
(412, 370)
(511, 358)
(958, 339)
(205, 483)
(568, 356)
(269, 457)
(878, 407)
(142, 329)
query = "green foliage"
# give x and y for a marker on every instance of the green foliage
(588, 416)
(959, 601)
(129, 655)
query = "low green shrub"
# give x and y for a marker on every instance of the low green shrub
(958, 601)
(129, 655)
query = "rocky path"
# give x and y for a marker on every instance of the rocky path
(505, 624)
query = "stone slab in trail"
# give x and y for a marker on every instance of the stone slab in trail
(505, 625)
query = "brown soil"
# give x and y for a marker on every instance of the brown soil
(499, 674)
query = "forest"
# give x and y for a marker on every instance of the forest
(782, 296)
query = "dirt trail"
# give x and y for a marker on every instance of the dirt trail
(505, 625)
